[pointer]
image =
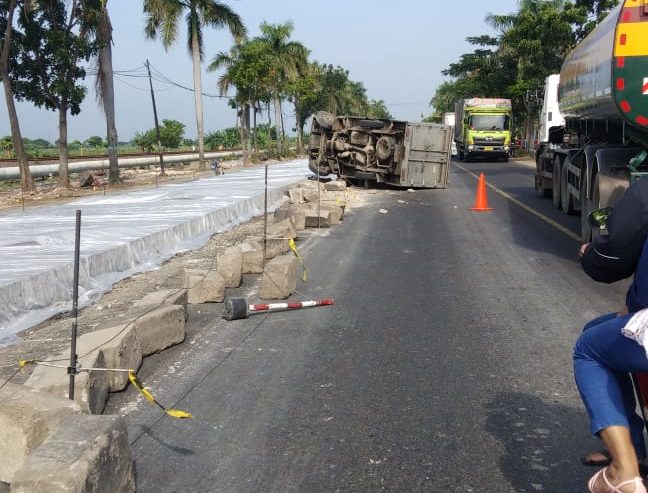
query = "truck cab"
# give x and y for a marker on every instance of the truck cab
(483, 128)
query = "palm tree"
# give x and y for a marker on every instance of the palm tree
(163, 17)
(287, 61)
(26, 180)
(105, 88)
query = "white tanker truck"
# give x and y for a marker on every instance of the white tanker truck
(588, 162)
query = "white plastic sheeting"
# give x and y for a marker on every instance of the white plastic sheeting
(121, 234)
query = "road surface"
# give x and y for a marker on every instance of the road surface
(445, 365)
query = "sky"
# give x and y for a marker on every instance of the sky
(396, 49)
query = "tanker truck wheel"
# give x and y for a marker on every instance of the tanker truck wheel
(566, 202)
(555, 179)
(588, 205)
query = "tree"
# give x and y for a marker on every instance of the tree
(94, 141)
(594, 12)
(172, 133)
(7, 49)
(55, 44)
(146, 141)
(287, 61)
(163, 17)
(303, 91)
(104, 86)
(377, 109)
(246, 68)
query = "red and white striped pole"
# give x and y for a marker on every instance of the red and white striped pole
(290, 305)
(236, 308)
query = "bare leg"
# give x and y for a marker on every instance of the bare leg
(624, 464)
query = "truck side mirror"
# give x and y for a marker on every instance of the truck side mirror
(598, 217)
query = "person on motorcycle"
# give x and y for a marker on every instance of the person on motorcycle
(603, 357)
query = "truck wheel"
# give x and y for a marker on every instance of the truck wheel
(545, 192)
(588, 205)
(566, 202)
(555, 178)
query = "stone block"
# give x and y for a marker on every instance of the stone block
(86, 454)
(324, 217)
(336, 186)
(160, 328)
(279, 278)
(335, 212)
(121, 349)
(311, 185)
(165, 297)
(252, 257)
(27, 417)
(91, 389)
(311, 195)
(282, 229)
(275, 247)
(296, 195)
(296, 212)
(204, 286)
(229, 264)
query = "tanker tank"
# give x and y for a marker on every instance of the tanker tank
(606, 76)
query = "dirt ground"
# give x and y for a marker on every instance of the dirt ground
(53, 335)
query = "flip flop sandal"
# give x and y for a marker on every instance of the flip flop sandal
(587, 461)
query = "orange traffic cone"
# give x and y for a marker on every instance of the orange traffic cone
(481, 201)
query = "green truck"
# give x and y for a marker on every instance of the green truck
(483, 128)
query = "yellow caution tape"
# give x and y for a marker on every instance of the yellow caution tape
(293, 247)
(175, 413)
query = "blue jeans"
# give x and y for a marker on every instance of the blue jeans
(603, 361)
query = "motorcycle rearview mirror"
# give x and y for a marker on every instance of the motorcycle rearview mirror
(598, 217)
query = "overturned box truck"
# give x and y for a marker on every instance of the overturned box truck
(365, 150)
(588, 161)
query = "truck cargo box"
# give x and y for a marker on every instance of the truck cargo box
(396, 152)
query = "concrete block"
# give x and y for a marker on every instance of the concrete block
(27, 417)
(121, 349)
(279, 278)
(252, 257)
(335, 212)
(324, 219)
(296, 195)
(311, 195)
(335, 186)
(204, 286)
(282, 229)
(275, 247)
(311, 185)
(160, 328)
(229, 264)
(91, 389)
(86, 454)
(165, 297)
(296, 212)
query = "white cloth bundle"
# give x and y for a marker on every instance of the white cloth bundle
(637, 328)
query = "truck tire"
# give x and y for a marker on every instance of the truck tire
(566, 202)
(325, 119)
(545, 192)
(555, 178)
(588, 205)
(384, 148)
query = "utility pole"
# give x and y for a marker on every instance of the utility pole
(157, 125)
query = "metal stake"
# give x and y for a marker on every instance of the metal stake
(75, 306)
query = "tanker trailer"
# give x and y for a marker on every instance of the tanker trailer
(603, 96)
(363, 150)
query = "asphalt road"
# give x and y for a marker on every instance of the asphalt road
(445, 365)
